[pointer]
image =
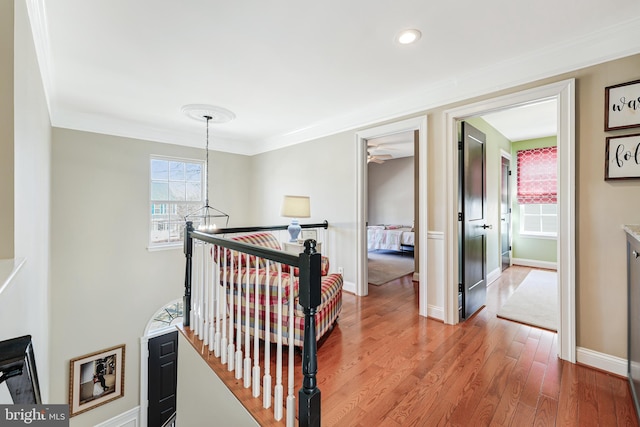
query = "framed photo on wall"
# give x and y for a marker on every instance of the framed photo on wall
(96, 379)
(622, 157)
(622, 106)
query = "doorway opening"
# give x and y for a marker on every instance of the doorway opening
(563, 93)
(160, 332)
(410, 125)
(391, 207)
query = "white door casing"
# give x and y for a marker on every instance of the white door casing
(564, 93)
(420, 124)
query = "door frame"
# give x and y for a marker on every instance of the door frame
(505, 155)
(417, 123)
(144, 361)
(564, 93)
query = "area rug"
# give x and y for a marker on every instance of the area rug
(385, 266)
(535, 301)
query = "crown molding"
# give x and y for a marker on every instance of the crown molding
(611, 43)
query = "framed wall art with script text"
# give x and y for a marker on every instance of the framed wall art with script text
(622, 157)
(622, 106)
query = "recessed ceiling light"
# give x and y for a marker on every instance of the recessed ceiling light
(408, 36)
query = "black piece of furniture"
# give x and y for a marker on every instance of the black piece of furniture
(18, 369)
(633, 313)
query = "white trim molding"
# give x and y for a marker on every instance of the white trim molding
(604, 362)
(131, 418)
(349, 287)
(534, 263)
(435, 312)
(494, 275)
(564, 93)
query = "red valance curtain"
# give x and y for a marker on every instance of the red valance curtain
(538, 176)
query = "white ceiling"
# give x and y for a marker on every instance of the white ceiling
(293, 71)
(529, 121)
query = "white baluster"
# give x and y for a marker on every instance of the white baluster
(279, 392)
(231, 347)
(219, 304)
(239, 321)
(204, 332)
(256, 332)
(291, 399)
(211, 314)
(194, 287)
(224, 339)
(247, 327)
(266, 380)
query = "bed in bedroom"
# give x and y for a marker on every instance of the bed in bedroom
(390, 237)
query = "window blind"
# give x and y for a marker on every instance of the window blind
(538, 176)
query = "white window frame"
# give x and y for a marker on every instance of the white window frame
(172, 204)
(538, 234)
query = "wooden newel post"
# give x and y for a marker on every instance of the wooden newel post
(310, 298)
(188, 252)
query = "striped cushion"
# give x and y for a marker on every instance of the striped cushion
(266, 280)
(326, 313)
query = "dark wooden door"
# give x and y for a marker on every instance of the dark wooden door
(473, 209)
(505, 213)
(163, 377)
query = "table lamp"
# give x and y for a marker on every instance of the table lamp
(295, 207)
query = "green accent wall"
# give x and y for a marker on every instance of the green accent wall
(526, 247)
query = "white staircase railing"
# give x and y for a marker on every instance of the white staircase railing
(228, 305)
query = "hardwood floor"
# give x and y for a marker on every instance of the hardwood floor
(383, 365)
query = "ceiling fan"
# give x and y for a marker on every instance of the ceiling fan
(376, 158)
(380, 158)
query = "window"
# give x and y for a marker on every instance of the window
(537, 191)
(176, 191)
(539, 220)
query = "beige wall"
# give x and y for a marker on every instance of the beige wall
(323, 169)
(602, 208)
(391, 192)
(106, 285)
(6, 128)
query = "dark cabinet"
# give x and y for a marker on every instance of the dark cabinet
(633, 327)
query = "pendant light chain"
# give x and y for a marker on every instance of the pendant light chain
(206, 181)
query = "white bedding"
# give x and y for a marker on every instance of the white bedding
(379, 237)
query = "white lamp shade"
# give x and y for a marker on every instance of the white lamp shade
(296, 207)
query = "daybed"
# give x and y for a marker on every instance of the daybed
(326, 314)
(390, 237)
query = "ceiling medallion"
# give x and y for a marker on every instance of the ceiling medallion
(202, 111)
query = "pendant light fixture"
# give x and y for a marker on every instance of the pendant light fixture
(207, 217)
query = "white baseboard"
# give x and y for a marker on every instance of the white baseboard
(416, 277)
(349, 287)
(494, 275)
(602, 361)
(534, 263)
(131, 418)
(435, 312)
